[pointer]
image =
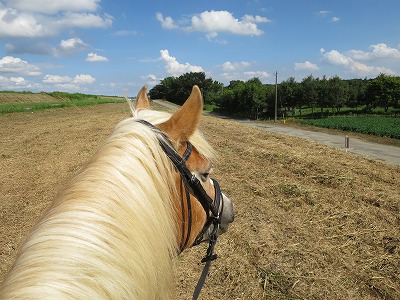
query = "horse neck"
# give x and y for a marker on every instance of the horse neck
(110, 232)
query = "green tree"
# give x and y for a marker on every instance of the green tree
(337, 93)
(383, 91)
(177, 89)
(308, 92)
(288, 92)
(323, 93)
(356, 92)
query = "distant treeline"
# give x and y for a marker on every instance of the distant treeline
(254, 99)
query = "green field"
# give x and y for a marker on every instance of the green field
(19, 102)
(368, 124)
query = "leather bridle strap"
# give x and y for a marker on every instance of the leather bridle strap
(187, 176)
(190, 180)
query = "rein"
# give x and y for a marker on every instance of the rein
(192, 184)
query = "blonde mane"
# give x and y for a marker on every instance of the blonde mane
(111, 233)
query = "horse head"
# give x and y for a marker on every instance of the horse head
(191, 208)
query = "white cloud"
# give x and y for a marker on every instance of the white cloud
(15, 83)
(364, 70)
(10, 64)
(334, 57)
(93, 57)
(244, 76)
(66, 80)
(307, 65)
(215, 22)
(82, 20)
(18, 80)
(234, 66)
(51, 6)
(259, 74)
(335, 19)
(65, 47)
(84, 79)
(378, 51)
(323, 13)
(72, 45)
(167, 22)
(56, 79)
(16, 23)
(151, 79)
(174, 68)
(125, 32)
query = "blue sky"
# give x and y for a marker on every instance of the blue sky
(113, 47)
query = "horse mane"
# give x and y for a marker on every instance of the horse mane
(112, 230)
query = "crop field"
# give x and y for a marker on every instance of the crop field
(367, 124)
(311, 222)
(11, 102)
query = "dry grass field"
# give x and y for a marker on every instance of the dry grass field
(18, 98)
(311, 222)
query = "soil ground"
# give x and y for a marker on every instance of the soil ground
(312, 222)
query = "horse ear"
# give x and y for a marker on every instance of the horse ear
(185, 121)
(142, 102)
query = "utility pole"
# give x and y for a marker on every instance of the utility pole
(276, 96)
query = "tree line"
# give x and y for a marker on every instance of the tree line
(254, 99)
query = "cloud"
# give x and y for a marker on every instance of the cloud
(18, 80)
(259, 74)
(72, 45)
(15, 83)
(323, 13)
(30, 47)
(307, 65)
(151, 79)
(77, 80)
(15, 23)
(125, 32)
(334, 57)
(234, 66)
(244, 76)
(15, 65)
(56, 79)
(51, 6)
(84, 79)
(167, 22)
(174, 68)
(378, 52)
(83, 20)
(93, 57)
(65, 47)
(215, 22)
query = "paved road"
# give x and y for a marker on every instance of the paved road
(385, 153)
(388, 154)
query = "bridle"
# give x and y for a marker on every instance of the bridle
(193, 186)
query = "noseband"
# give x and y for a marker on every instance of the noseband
(192, 185)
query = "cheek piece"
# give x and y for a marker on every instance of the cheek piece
(193, 186)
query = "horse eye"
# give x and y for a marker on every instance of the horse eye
(204, 176)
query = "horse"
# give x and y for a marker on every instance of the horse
(115, 229)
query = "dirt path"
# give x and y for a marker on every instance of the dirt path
(385, 153)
